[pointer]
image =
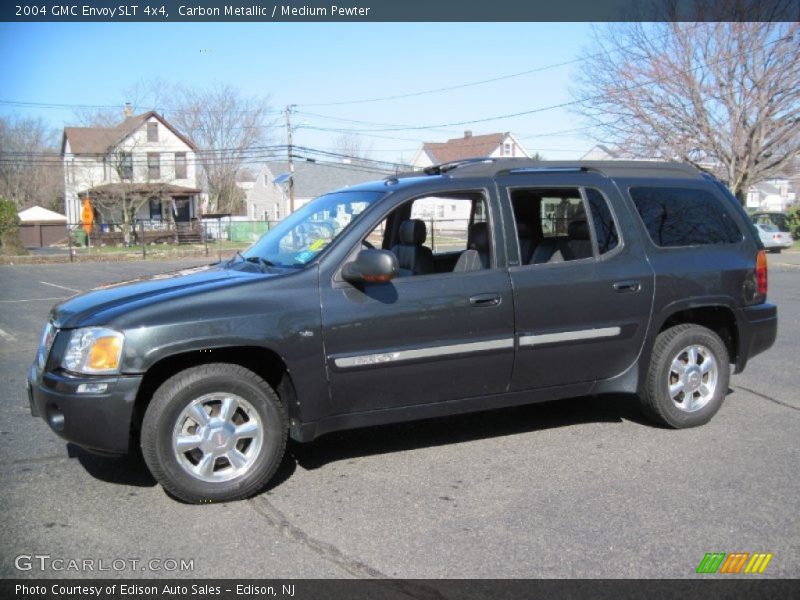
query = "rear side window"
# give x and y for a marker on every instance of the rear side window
(684, 217)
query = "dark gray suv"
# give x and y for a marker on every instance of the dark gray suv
(471, 286)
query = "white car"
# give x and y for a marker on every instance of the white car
(773, 239)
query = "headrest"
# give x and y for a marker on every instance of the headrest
(578, 230)
(524, 231)
(478, 238)
(413, 232)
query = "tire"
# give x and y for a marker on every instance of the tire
(228, 454)
(688, 376)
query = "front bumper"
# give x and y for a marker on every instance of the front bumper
(95, 421)
(758, 328)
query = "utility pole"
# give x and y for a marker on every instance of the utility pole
(289, 155)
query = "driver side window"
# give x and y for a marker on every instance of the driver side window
(437, 233)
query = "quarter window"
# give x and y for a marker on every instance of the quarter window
(684, 217)
(605, 230)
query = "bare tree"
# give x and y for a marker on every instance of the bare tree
(131, 191)
(229, 130)
(724, 96)
(142, 96)
(30, 167)
(351, 145)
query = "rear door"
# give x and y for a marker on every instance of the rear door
(582, 314)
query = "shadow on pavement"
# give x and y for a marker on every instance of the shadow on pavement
(464, 428)
(124, 470)
(132, 471)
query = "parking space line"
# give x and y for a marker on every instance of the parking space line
(32, 299)
(63, 287)
(7, 336)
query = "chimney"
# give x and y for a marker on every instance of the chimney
(128, 110)
(467, 134)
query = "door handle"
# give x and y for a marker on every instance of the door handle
(627, 286)
(485, 300)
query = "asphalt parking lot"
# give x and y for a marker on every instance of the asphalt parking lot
(582, 488)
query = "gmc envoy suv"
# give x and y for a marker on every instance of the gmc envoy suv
(470, 286)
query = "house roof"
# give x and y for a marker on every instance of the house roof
(469, 146)
(602, 152)
(101, 140)
(767, 189)
(37, 214)
(155, 189)
(312, 179)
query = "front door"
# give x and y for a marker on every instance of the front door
(182, 209)
(420, 339)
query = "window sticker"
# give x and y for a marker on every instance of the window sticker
(317, 244)
(304, 257)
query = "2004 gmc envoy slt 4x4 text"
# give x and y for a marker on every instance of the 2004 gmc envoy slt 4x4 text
(562, 280)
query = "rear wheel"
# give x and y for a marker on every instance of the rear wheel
(213, 433)
(688, 376)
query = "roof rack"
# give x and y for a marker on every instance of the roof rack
(491, 167)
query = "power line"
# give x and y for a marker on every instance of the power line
(480, 82)
(560, 105)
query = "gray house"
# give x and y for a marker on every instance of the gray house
(268, 198)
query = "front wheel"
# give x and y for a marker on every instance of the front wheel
(688, 376)
(214, 433)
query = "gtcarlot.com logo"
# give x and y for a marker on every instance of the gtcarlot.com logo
(734, 563)
(46, 562)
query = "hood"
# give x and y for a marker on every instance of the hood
(100, 305)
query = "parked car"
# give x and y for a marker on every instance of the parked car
(774, 239)
(778, 219)
(652, 282)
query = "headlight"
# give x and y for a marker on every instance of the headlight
(93, 351)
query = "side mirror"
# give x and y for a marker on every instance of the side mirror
(371, 266)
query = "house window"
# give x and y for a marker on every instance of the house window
(152, 132)
(507, 149)
(180, 165)
(153, 165)
(126, 165)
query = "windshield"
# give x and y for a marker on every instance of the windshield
(301, 236)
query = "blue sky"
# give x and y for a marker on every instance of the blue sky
(311, 64)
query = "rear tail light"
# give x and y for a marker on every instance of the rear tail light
(761, 273)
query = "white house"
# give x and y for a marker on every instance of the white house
(492, 145)
(772, 195)
(144, 164)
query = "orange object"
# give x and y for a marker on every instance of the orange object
(761, 273)
(105, 353)
(87, 215)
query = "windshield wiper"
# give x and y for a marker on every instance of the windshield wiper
(265, 264)
(232, 259)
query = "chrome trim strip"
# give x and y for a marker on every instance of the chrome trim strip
(363, 360)
(568, 336)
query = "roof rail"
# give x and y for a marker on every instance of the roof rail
(491, 167)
